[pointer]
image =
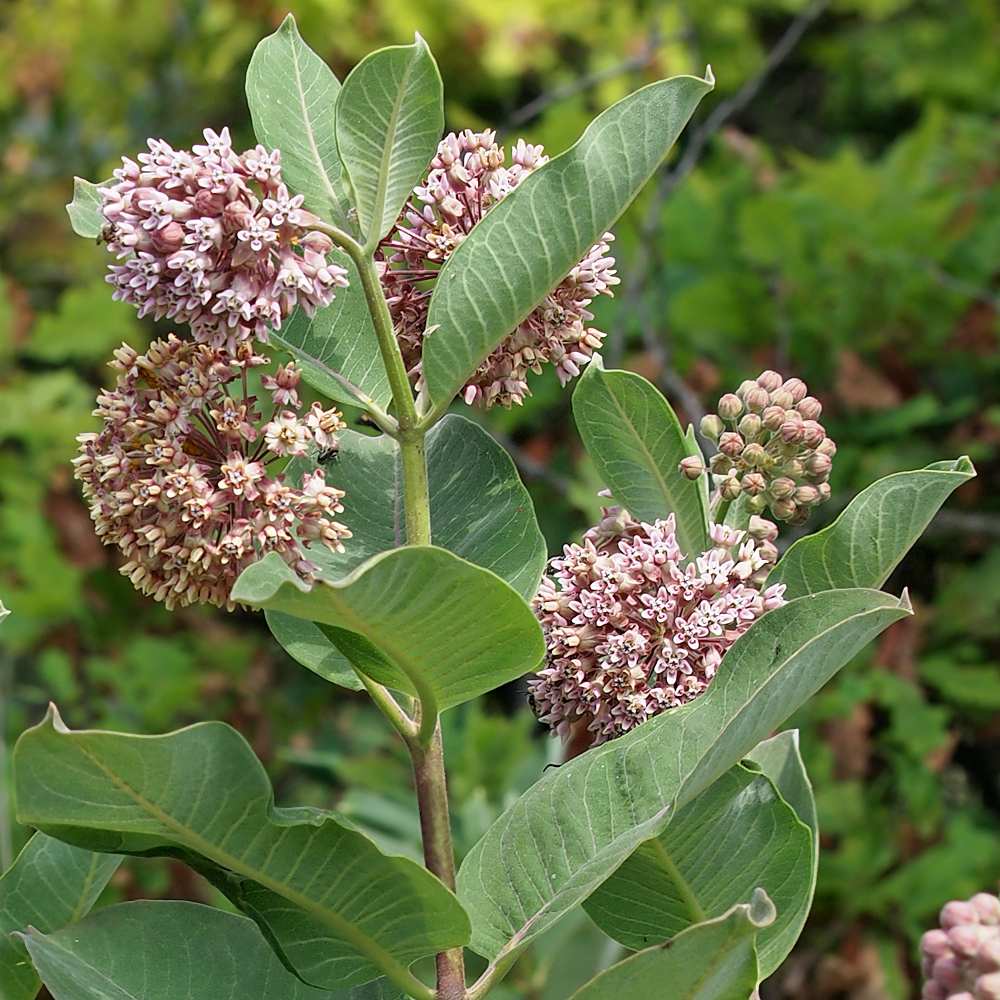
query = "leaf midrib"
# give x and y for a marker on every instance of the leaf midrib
(367, 945)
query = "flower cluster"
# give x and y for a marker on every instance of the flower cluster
(961, 958)
(214, 240)
(631, 632)
(775, 451)
(467, 178)
(178, 478)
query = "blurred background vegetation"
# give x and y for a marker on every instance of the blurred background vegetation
(833, 212)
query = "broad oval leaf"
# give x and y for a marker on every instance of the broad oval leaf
(414, 616)
(337, 910)
(292, 94)
(336, 348)
(51, 884)
(171, 950)
(636, 441)
(556, 844)
(734, 836)
(84, 210)
(865, 544)
(714, 960)
(529, 241)
(390, 115)
(464, 465)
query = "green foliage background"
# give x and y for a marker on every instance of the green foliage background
(843, 226)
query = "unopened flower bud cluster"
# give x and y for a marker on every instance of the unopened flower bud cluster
(179, 477)
(630, 631)
(467, 178)
(772, 449)
(961, 958)
(214, 240)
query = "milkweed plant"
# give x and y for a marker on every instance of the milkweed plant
(356, 251)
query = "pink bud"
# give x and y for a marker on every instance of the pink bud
(818, 466)
(783, 510)
(168, 239)
(792, 431)
(988, 908)
(796, 388)
(754, 455)
(935, 944)
(965, 939)
(730, 406)
(783, 399)
(957, 913)
(806, 496)
(809, 407)
(756, 399)
(731, 444)
(988, 986)
(769, 380)
(813, 433)
(772, 417)
(782, 488)
(730, 489)
(934, 991)
(949, 971)
(988, 957)
(827, 447)
(754, 483)
(691, 467)
(762, 530)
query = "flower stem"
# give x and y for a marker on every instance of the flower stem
(439, 855)
(426, 751)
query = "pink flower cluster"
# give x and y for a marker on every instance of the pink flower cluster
(961, 958)
(178, 478)
(467, 178)
(214, 240)
(631, 632)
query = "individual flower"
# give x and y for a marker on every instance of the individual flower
(213, 239)
(179, 477)
(630, 631)
(961, 958)
(467, 178)
(774, 451)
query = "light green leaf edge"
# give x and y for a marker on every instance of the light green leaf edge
(373, 916)
(51, 884)
(781, 760)
(528, 242)
(636, 442)
(866, 543)
(84, 210)
(713, 960)
(292, 95)
(520, 877)
(734, 836)
(434, 619)
(389, 120)
(172, 950)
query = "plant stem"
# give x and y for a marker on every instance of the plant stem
(439, 855)
(426, 751)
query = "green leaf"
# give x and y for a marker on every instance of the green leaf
(336, 909)
(85, 209)
(633, 435)
(171, 950)
(865, 544)
(529, 241)
(465, 465)
(306, 644)
(556, 844)
(714, 960)
(336, 348)
(292, 94)
(49, 885)
(680, 878)
(390, 116)
(412, 617)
